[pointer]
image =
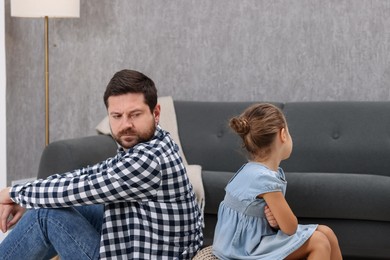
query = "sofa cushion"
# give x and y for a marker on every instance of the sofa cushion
(319, 195)
(214, 186)
(339, 195)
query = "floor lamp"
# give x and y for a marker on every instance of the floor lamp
(46, 9)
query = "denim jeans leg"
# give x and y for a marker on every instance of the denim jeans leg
(25, 240)
(94, 215)
(65, 230)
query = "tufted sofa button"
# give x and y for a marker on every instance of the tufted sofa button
(220, 132)
(336, 135)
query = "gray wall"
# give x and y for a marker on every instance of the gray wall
(231, 50)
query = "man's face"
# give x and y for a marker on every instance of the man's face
(130, 119)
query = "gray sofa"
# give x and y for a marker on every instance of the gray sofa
(338, 174)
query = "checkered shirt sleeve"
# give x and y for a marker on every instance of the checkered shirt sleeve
(125, 177)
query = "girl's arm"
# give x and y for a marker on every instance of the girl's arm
(281, 211)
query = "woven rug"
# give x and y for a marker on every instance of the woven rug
(205, 254)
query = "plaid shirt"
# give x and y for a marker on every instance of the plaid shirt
(150, 208)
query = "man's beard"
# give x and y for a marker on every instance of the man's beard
(135, 138)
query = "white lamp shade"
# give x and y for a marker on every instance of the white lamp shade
(42, 8)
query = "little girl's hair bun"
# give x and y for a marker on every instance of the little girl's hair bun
(240, 125)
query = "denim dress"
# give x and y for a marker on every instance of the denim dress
(242, 231)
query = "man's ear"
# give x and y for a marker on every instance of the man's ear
(156, 113)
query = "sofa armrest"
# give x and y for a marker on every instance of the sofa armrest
(66, 155)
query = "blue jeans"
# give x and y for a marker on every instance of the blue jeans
(72, 233)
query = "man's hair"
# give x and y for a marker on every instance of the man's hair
(131, 81)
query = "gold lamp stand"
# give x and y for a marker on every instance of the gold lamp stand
(47, 138)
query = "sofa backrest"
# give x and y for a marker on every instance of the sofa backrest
(339, 137)
(333, 137)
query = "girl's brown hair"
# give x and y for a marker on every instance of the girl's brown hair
(258, 126)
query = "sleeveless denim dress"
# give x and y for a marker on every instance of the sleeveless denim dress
(242, 231)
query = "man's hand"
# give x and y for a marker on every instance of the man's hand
(10, 214)
(4, 196)
(270, 217)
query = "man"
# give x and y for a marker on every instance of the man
(149, 206)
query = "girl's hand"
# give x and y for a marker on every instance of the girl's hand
(10, 214)
(270, 217)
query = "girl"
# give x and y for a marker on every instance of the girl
(254, 219)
